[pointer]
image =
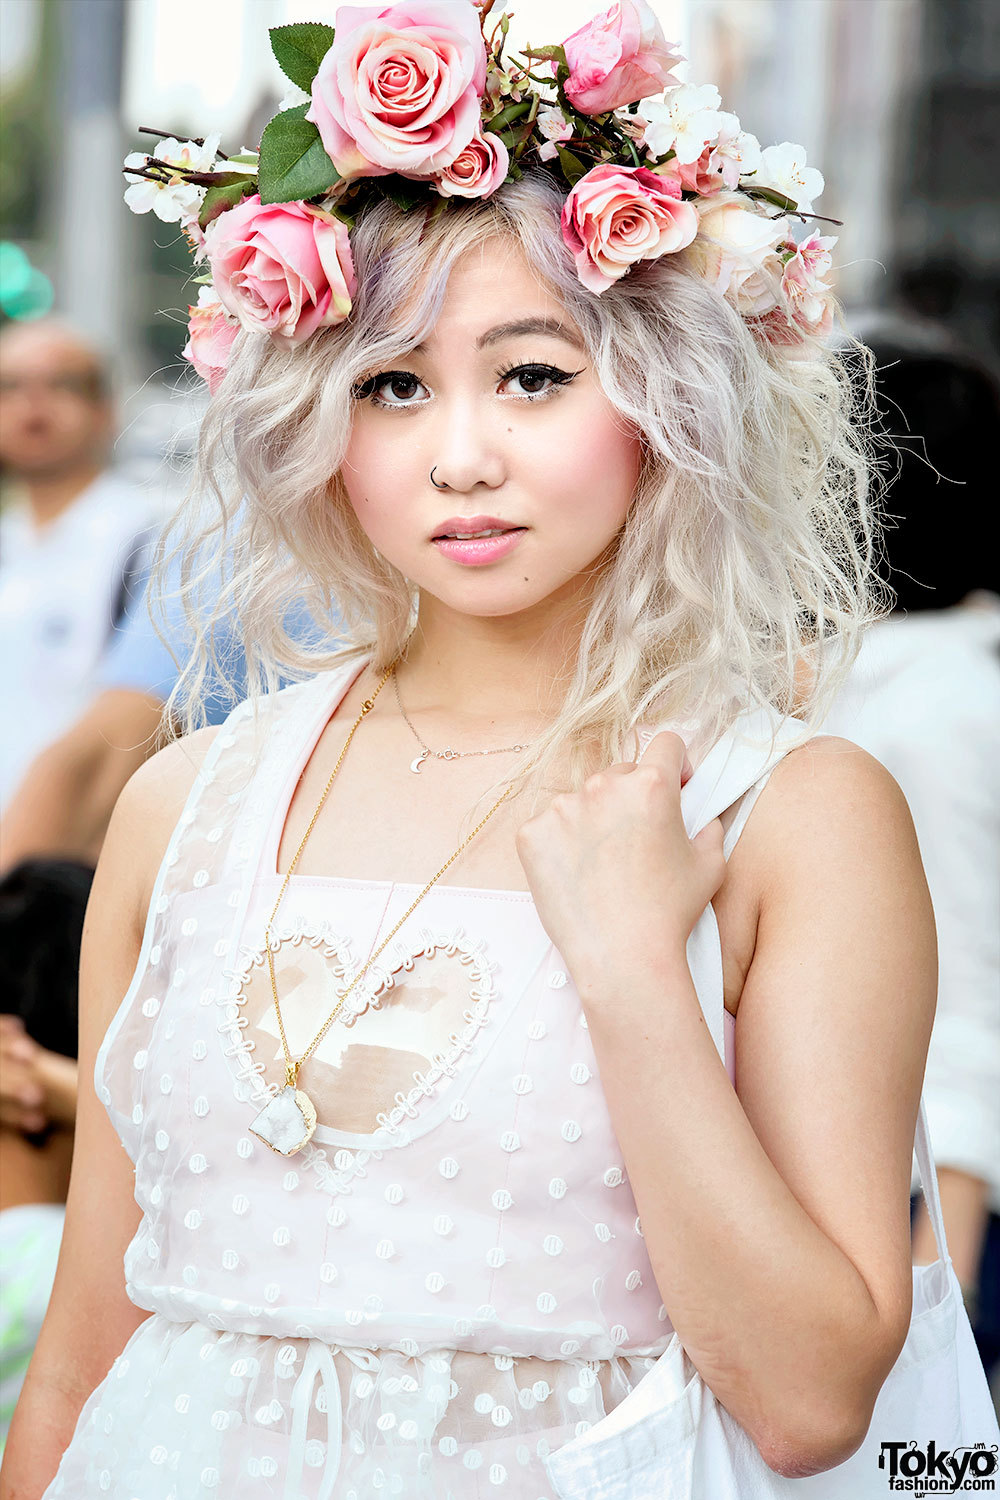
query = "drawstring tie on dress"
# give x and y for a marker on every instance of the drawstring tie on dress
(319, 1361)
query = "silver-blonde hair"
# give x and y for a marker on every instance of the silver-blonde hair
(742, 576)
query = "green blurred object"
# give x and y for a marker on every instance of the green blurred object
(15, 269)
(25, 292)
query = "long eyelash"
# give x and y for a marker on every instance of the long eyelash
(556, 375)
(365, 389)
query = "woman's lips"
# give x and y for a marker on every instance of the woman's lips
(482, 549)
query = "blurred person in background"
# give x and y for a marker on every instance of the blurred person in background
(64, 801)
(924, 699)
(73, 534)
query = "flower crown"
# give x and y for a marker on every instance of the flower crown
(418, 102)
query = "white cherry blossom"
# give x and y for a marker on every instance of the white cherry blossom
(784, 168)
(737, 152)
(292, 96)
(683, 121)
(555, 127)
(172, 199)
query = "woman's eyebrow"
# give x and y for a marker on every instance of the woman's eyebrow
(550, 326)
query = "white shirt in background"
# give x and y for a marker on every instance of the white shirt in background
(924, 699)
(59, 588)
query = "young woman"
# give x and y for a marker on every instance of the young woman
(424, 1071)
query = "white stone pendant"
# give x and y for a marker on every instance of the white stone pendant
(287, 1122)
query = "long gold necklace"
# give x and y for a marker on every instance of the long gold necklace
(288, 1121)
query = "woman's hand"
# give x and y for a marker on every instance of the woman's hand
(611, 867)
(37, 1087)
(22, 1093)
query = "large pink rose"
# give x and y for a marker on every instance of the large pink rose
(478, 170)
(281, 268)
(400, 88)
(615, 216)
(617, 58)
(210, 338)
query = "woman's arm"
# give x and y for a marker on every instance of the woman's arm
(63, 804)
(777, 1221)
(90, 1318)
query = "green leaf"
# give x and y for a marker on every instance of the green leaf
(300, 48)
(550, 54)
(770, 195)
(508, 115)
(405, 193)
(219, 199)
(228, 179)
(573, 167)
(293, 163)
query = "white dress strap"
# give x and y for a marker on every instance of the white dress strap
(736, 769)
(737, 766)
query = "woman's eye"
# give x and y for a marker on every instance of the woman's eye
(391, 388)
(534, 380)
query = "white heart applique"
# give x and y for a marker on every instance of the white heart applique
(405, 1025)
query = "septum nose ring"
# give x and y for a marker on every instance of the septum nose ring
(435, 483)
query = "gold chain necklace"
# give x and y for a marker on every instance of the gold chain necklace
(288, 1121)
(448, 754)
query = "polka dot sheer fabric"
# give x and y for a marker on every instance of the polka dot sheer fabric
(449, 1282)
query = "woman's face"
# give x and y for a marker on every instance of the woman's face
(503, 404)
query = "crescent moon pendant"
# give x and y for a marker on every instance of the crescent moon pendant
(415, 764)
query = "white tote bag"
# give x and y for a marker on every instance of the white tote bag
(670, 1439)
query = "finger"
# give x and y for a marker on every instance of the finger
(13, 1117)
(21, 1050)
(667, 749)
(710, 838)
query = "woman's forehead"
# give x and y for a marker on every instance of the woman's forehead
(492, 293)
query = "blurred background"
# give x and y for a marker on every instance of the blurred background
(895, 101)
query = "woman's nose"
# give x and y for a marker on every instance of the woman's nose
(466, 450)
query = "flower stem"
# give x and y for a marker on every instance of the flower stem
(196, 140)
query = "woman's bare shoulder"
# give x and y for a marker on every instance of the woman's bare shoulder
(147, 810)
(161, 785)
(828, 801)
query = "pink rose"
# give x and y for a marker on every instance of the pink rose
(736, 252)
(210, 338)
(703, 176)
(617, 58)
(399, 89)
(615, 216)
(282, 268)
(477, 170)
(779, 328)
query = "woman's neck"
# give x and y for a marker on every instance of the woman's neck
(483, 672)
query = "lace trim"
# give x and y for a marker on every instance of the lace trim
(349, 1161)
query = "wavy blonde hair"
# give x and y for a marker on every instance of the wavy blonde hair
(746, 555)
